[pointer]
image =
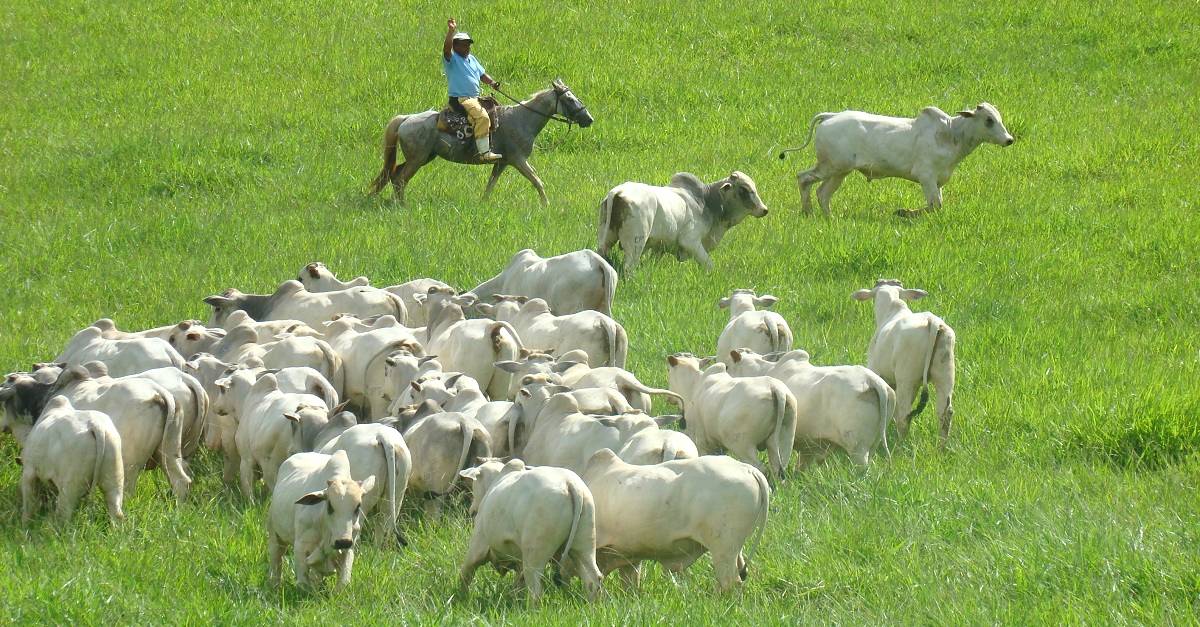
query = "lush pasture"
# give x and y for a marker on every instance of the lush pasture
(153, 153)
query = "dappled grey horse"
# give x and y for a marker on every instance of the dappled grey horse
(418, 138)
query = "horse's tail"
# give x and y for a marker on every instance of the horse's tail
(812, 124)
(391, 138)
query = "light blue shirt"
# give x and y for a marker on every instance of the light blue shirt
(463, 75)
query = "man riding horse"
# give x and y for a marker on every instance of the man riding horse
(463, 73)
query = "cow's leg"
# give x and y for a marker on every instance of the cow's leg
(31, 498)
(725, 566)
(933, 198)
(274, 558)
(300, 562)
(826, 190)
(132, 471)
(631, 575)
(345, 567)
(532, 566)
(114, 497)
(941, 373)
(69, 494)
(528, 172)
(804, 181)
(697, 251)
(743, 571)
(906, 393)
(589, 573)
(633, 243)
(247, 477)
(477, 555)
(497, 170)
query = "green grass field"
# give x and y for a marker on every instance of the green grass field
(153, 153)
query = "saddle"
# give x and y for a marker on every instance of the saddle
(453, 118)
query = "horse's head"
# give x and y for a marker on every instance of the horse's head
(569, 106)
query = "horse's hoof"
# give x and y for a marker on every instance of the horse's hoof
(907, 213)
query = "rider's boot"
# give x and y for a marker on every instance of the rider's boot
(483, 145)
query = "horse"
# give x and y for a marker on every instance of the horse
(417, 136)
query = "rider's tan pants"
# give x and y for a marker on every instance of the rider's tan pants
(478, 117)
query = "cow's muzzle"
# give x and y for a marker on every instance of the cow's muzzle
(343, 544)
(1010, 140)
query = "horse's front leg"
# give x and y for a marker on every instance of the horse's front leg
(497, 170)
(527, 170)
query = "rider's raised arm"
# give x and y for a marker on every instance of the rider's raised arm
(448, 45)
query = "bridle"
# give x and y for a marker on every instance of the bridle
(558, 94)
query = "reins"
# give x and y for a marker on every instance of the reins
(557, 118)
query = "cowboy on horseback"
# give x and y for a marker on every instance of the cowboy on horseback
(463, 74)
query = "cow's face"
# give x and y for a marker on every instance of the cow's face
(342, 500)
(19, 394)
(224, 304)
(741, 194)
(988, 126)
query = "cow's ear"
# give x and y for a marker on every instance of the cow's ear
(193, 336)
(766, 300)
(663, 421)
(367, 484)
(726, 186)
(486, 309)
(469, 473)
(292, 416)
(218, 301)
(560, 366)
(723, 303)
(521, 300)
(508, 366)
(861, 295)
(735, 355)
(312, 498)
(415, 386)
(313, 271)
(523, 393)
(672, 360)
(913, 294)
(420, 298)
(967, 114)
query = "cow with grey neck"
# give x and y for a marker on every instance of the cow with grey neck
(569, 283)
(317, 277)
(925, 149)
(292, 302)
(687, 217)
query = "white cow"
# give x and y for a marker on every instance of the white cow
(72, 449)
(741, 416)
(316, 277)
(602, 338)
(191, 400)
(473, 347)
(573, 371)
(462, 394)
(654, 446)
(142, 411)
(760, 331)
(400, 370)
(378, 451)
(363, 355)
(317, 506)
(267, 330)
(288, 351)
(924, 149)
(123, 357)
(680, 510)
(442, 443)
(292, 302)
(526, 517)
(576, 281)
(910, 350)
(187, 338)
(533, 402)
(688, 217)
(848, 406)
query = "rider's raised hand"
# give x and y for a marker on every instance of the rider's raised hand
(452, 24)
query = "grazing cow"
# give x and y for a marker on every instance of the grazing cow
(473, 347)
(602, 338)
(680, 510)
(316, 277)
(573, 371)
(317, 506)
(72, 449)
(123, 357)
(526, 517)
(741, 416)
(292, 302)
(760, 331)
(533, 403)
(910, 350)
(442, 443)
(363, 353)
(654, 446)
(142, 411)
(570, 283)
(267, 330)
(267, 420)
(459, 393)
(688, 217)
(191, 400)
(924, 149)
(378, 451)
(289, 351)
(848, 406)
(187, 338)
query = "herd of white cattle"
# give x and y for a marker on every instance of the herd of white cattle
(529, 404)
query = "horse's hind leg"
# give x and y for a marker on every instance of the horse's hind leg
(401, 176)
(497, 170)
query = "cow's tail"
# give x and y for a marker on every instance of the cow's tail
(622, 345)
(608, 276)
(782, 453)
(502, 351)
(101, 438)
(933, 329)
(171, 445)
(887, 407)
(514, 422)
(772, 335)
(817, 119)
(577, 502)
(609, 327)
(399, 309)
(391, 139)
(606, 222)
(670, 452)
(337, 370)
(764, 496)
(637, 386)
(389, 462)
(200, 397)
(468, 436)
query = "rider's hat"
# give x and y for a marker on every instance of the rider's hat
(462, 37)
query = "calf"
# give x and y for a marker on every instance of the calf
(760, 331)
(598, 335)
(848, 406)
(569, 283)
(72, 449)
(317, 506)
(680, 510)
(741, 416)
(375, 450)
(526, 517)
(910, 350)
(687, 217)
(924, 149)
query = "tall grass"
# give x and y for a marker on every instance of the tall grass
(156, 152)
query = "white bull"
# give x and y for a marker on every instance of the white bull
(375, 450)
(924, 149)
(572, 282)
